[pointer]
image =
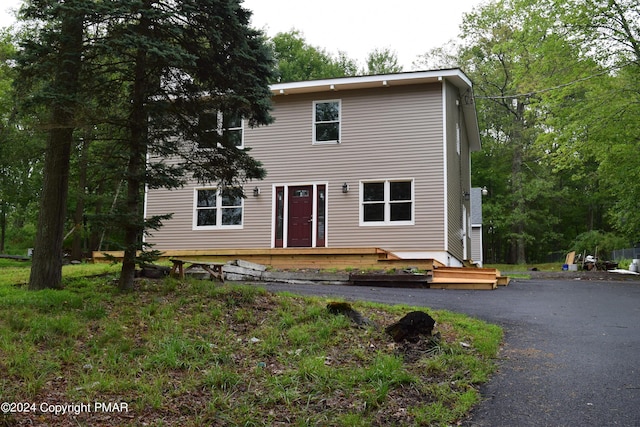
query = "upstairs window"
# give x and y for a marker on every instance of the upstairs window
(233, 130)
(217, 209)
(326, 122)
(221, 127)
(387, 203)
(208, 126)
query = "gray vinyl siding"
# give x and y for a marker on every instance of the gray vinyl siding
(476, 244)
(389, 133)
(476, 224)
(465, 181)
(455, 168)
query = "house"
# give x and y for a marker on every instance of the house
(377, 161)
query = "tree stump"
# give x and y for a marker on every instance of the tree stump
(345, 309)
(411, 327)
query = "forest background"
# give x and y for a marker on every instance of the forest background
(557, 88)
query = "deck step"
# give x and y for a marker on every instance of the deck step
(469, 272)
(401, 263)
(465, 278)
(503, 280)
(465, 285)
(406, 280)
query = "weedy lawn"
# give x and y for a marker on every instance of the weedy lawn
(194, 353)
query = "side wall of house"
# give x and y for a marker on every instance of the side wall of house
(386, 134)
(457, 160)
(465, 183)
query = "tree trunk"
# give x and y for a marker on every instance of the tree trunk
(46, 267)
(133, 227)
(3, 225)
(76, 246)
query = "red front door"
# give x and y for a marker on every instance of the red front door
(300, 216)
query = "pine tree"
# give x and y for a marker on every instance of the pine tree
(63, 59)
(154, 68)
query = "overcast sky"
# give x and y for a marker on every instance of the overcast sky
(356, 27)
(6, 18)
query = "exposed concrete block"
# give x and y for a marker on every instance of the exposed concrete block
(276, 275)
(238, 277)
(240, 270)
(250, 265)
(304, 277)
(234, 269)
(331, 277)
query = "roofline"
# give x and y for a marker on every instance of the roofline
(455, 75)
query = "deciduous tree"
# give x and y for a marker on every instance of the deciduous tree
(296, 60)
(382, 61)
(517, 56)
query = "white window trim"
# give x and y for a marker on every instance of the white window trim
(458, 138)
(285, 230)
(240, 128)
(220, 130)
(219, 207)
(387, 204)
(313, 120)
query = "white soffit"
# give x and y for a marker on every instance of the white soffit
(454, 75)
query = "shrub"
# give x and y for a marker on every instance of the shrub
(598, 243)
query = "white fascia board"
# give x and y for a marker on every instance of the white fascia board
(342, 83)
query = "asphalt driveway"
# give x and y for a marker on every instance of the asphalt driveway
(571, 354)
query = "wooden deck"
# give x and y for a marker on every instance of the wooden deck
(467, 278)
(440, 277)
(289, 258)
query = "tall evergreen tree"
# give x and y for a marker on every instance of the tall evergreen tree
(155, 68)
(187, 59)
(59, 51)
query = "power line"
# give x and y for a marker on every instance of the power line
(536, 92)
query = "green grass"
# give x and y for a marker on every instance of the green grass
(199, 353)
(519, 271)
(551, 266)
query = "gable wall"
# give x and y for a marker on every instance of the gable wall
(394, 136)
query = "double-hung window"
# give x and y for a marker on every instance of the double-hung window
(208, 126)
(232, 129)
(326, 122)
(217, 209)
(388, 202)
(220, 128)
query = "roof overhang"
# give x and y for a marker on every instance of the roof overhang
(452, 75)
